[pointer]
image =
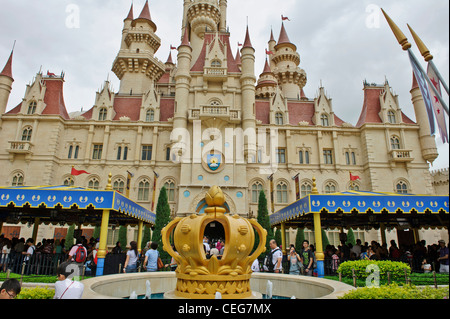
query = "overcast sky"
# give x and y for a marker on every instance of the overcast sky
(341, 43)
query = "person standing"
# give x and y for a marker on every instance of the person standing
(443, 257)
(130, 265)
(307, 259)
(78, 255)
(151, 258)
(66, 288)
(29, 254)
(277, 256)
(294, 262)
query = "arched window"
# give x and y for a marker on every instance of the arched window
(119, 185)
(144, 190)
(256, 190)
(32, 108)
(26, 134)
(94, 183)
(17, 180)
(305, 189)
(102, 114)
(391, 117)
(324, 120)
(353, 186)
(402, 187)
(279, 118)
(170, 188)
(282, 193)
(395, 143)
(69, 181)
(150, 116)
(330, 187)
(216, 64)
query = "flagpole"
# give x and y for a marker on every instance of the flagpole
(427, 56)
(406, 46)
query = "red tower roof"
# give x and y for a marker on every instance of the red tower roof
(247, 42)
(145, 14)
(130, 14)
(7, 70)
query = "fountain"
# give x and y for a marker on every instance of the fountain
(197, 277)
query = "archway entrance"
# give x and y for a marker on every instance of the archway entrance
(214, 231)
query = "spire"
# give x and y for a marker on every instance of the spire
(7, 70)
(283, 35)
(247, 42)
(272, 38)
(185, 40)
(130, 14)
(267, 68)
(145, 14)
(238, 58)
(169, 59)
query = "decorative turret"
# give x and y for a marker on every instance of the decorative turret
(285, 66)
(6, 81)
(267, 83)
(135, 65)
(427, 142)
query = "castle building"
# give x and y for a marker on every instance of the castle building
(207, 117)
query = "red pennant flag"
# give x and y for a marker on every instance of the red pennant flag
(284, 18)
(75, 172)
(269, 52)
(239, 44)
(354, 177)
(172, 48)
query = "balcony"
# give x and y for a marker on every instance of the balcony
(205, 112)
(401, 156)
(20, 147)
(215, 74)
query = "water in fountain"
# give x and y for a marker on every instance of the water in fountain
(148, 290)
(269, 289)
(133, 295)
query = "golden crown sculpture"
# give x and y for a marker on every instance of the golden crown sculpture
(201, 278)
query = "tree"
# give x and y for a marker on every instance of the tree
(325, 241)
(264, 220)
(69, 237)
(145, 236)
(278, 237)
(162, 219)
(123, 237)
(299, 238)
(351, 237)
(96, 234)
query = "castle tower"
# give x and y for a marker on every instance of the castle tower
(201, 16)
(136, 65)
(182, 80)
(267, 83)
(285, 66)
(427, 142)
(248, 89)
(6, 80)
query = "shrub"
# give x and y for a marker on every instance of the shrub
(395, 268)
(36, 293)
(396, 292)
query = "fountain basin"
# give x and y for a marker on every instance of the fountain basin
(121, 286)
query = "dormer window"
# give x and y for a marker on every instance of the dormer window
(102, 114)
(32, 108)
(279, 118)
(324, 120)
(391, 117)
(150, 116)
(216, 64)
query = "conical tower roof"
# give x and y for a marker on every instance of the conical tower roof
(7, 70)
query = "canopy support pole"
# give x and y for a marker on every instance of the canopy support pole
(320, 257)
(283, 238)
(139, 239)
(101, 254)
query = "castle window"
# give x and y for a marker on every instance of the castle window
(69, 181)
(17, 180)
(119, 185)
(144, 190)
(32, 108)
(353, 158)
(347, 158)
(395, 143)
(119, 153)
(26, 134)
(146, 153)
(281, 155)
(391, 117)
(303, 157)
(305, 190)
(327, 156)
(216, 64)
(330, 187)
(279, 119)
(150, 116)
(324, 120)
(97, 152)
(353, 187)
(282, 193)
(401, 187)
(94, 183)
(77, 149)
(170, 188)
(256, 190)
(69, 156)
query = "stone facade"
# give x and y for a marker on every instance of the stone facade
(209, 119)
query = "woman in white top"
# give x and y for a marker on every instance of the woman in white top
(66, 288)
(132, 258)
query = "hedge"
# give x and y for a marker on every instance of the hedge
(394, 291)
(395, 268)
(36, 293)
